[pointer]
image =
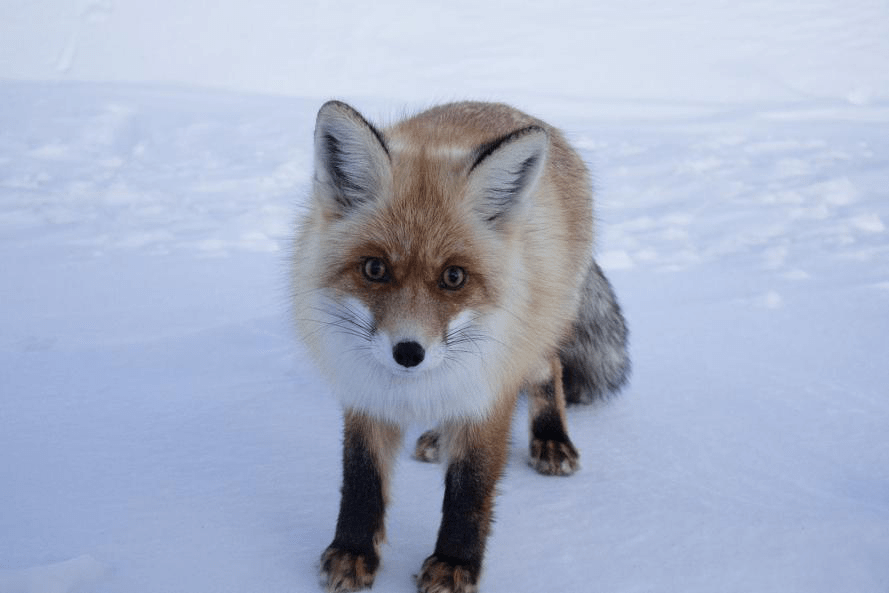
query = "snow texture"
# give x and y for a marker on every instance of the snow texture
(162, 431)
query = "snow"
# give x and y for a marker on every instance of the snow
(163, 431)
(53, 578)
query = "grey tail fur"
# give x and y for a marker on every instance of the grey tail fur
(595, 360)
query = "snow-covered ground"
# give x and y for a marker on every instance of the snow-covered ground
(161, 430)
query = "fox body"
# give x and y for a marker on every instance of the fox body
(443, 267)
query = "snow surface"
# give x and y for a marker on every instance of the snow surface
(162, 431)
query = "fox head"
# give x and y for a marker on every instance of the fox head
(415, 247)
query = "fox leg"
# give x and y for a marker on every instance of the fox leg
(350, 562)
(552, 452)
(477, 454)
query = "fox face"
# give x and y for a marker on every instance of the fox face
(410, 254)
(416, 303)
(413, 334)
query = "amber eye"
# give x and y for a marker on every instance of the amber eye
(453, 277)
(374, 269)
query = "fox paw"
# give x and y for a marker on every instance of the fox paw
(343, 571)
(554, 458)
(440, 576)
(428, 447)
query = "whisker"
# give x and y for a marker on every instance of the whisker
(343, 320)
(449, 361)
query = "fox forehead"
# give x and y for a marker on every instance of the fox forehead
(421, 238)
(424, 222)
(429, 188)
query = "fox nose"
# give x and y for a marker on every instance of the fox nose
(408, 354)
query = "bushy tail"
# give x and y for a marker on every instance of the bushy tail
(595, 360)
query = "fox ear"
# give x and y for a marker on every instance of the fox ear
(506, 172)
(352, 164)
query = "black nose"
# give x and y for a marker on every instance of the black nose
(408, 354)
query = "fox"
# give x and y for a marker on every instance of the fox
(444, 266)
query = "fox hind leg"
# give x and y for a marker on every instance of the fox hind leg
(428, 447)
(552, 452)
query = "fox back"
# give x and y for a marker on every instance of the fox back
(441, 261)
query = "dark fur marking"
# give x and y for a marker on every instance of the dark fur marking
(487, 149)
(571, 383)
(502, 198)
(461, 538)
(499, 200)
(359, 117)
(548, 426)
(345, 185)
(362, 506)
(595, 361)
(380, 138)
(549, 390)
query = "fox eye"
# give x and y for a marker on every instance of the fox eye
(374, 269)
(453, 278)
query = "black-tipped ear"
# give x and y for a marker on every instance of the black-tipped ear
(351, 159)
(506, 172)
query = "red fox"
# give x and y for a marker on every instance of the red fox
(443, 267)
